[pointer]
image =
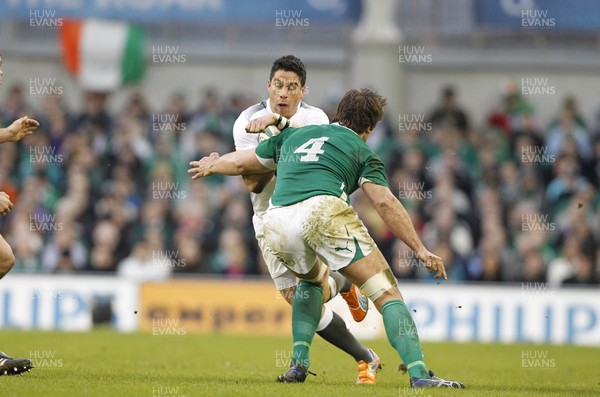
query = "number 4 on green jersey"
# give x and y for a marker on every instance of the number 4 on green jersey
(312, 148)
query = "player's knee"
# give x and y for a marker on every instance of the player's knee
(381, 287)
(319, 275)
(7, 260)
(390, 294)
(304, 285)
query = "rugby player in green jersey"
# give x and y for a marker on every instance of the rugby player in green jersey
(310, 217)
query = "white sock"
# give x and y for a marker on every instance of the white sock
(325, 318)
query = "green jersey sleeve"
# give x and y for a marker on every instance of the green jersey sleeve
(267, 151)
(372, 171)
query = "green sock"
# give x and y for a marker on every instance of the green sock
(306, 314)
(402, 334)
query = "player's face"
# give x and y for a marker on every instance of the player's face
(285, 93)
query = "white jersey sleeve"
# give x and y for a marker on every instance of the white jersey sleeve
(241, 138)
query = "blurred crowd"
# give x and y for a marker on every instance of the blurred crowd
(515, 199)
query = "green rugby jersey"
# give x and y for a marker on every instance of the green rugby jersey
(319, 160)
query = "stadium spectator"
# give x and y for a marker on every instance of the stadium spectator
(448, 113)
(534, 269)
(562, 267)
(568, 130)
(141, 265)
(571, 108)
(64, 252)
(507, 116)
(567, 180)
(14, 105)
(583, 271)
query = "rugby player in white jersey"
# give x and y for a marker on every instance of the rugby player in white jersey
(19, 129)
(286, 88)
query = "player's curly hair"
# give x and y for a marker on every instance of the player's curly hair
(360, 109)
(290, 63)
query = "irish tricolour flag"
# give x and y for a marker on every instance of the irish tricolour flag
(102, 55)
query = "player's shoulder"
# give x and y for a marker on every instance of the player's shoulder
(312, 114)
(242, 139)
(310, 108)
(254, 111)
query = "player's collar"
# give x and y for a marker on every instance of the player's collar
(343, 126)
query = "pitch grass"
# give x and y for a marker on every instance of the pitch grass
(105, 363)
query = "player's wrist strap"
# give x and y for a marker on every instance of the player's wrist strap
(282, 123)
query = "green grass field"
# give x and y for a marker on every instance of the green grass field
(105, 363)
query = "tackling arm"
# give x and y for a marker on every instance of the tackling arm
(253, 181)
(234, 163)
(397, 219)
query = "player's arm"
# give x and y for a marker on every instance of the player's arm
(257, 182)
(393, 213)
(234, 163)
(254, 182)
(19, 129)
(5, 203)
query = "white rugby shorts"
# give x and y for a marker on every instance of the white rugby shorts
(321, 226)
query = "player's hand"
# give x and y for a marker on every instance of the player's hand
(433, 263)
(259, 124)
(201, 168)
(20, 128)
(5, 203)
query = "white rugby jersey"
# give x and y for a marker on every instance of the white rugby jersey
(305, 115)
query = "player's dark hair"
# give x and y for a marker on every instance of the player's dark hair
(360, 109)
(290, 63)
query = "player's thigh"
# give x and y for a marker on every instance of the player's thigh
(363, 269)
(283, 229)
(281, 275)
(336, 233)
